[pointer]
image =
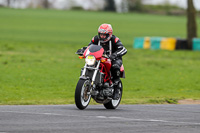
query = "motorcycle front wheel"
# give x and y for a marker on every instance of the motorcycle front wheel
(113, 104)
(82, 95)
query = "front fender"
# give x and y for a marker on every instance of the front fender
(89, 74)
(84, 77)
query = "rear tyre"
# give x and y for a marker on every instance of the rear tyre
(113, 104)
(82, 96)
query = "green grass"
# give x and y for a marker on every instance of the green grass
(38, 64)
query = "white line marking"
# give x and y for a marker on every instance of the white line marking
(30, 113)
(104, 117)
(147, 120)
(101, 117)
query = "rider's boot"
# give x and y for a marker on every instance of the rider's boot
(116, 80)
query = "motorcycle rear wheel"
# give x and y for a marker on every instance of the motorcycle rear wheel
(113, 104)
(82, 98)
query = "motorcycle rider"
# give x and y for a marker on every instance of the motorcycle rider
(113, 47)
(105, 38)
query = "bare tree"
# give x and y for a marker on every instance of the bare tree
(110, 5)
(191, 23)
(8, 3)
(46, 4)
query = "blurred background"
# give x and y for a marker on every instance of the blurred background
(114, 5)
(39, 38)
(160, 7)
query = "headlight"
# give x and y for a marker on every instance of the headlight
(90, 60)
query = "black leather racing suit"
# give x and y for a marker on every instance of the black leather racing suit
(117, 49)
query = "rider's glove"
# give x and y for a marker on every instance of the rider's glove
(81, 51)
(84, 48)
(113, 56)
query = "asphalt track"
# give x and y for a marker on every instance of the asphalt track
(96, 119)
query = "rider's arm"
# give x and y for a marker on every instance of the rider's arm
(121, 50)
(94, 40)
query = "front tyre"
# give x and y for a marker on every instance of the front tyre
(113, 104)
(82, 94)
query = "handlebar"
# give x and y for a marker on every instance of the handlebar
(104, 55)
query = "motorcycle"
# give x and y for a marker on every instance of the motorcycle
(96, 80)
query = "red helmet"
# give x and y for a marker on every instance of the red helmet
(107, 30)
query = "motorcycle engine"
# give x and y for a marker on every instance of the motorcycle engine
(108, 90)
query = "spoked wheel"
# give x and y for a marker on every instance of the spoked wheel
(82, 96)
(113, 104)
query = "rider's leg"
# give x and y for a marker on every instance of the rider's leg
(115, 70)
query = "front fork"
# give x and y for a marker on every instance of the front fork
(94, 74)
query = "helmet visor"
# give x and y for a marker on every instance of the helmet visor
(103, 37)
